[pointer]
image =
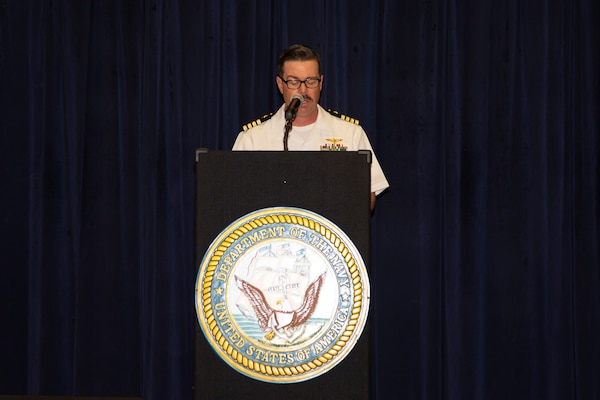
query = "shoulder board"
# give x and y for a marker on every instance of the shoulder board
(342, 116)
(256, 122)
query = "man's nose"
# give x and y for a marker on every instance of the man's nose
(302, 89)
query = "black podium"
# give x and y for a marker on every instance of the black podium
(335, 185)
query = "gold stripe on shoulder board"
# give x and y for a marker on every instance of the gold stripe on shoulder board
(257, 122)
(344, 117)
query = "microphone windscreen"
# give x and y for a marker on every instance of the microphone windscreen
(297, 96)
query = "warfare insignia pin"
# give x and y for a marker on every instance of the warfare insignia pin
(334, 145)
(282, 295)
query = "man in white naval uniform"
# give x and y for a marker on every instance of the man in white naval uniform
(313, 127)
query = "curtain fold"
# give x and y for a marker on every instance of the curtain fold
(483, 115)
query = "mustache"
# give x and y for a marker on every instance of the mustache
(307, 98)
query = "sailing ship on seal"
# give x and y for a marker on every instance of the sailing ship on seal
(279, 292)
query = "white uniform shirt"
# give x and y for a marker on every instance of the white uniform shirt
(328, 131)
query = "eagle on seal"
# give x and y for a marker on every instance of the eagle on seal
(284, 320)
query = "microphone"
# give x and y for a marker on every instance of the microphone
(292, 109)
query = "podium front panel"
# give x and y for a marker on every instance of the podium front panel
(229, 185)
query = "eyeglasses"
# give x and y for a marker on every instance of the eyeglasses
(310, 83)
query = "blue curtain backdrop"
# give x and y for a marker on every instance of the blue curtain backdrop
(483, 113)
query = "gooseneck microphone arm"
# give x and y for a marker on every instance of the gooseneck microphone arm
(286, 134)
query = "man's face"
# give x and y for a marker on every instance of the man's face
(300, 70)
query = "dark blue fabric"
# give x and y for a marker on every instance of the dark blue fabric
(484, 116)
